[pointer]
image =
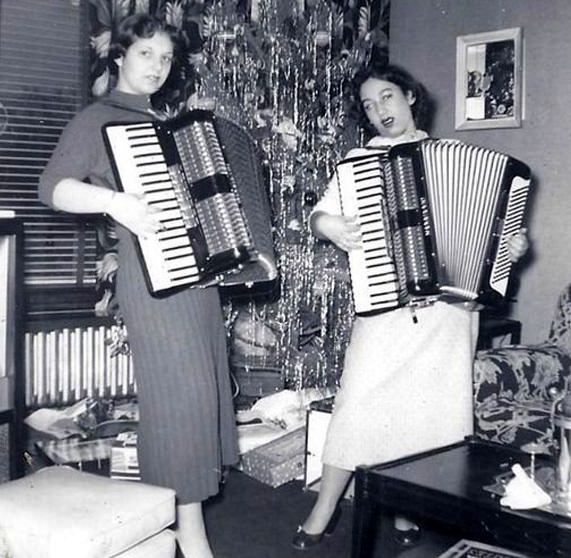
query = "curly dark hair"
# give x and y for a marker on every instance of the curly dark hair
(422, 108)
(144, 26)
(141, 26)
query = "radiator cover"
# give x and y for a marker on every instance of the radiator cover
(63, 366)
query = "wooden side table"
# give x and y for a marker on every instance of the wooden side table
(446, 487)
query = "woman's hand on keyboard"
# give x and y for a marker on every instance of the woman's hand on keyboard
(131, 211)
(343, 231)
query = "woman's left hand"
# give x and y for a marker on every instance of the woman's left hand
(518, 245)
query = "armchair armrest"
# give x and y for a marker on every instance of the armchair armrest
(520, 371)
(513, 397)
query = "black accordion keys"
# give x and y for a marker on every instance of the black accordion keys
(435, 218)
(204, 174)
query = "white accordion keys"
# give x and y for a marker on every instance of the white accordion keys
(373, 274)
(143, 170)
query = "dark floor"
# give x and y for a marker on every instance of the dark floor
(252, 520)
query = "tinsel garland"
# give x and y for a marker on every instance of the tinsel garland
(283, 70)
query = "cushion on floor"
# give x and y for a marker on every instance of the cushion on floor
(66, 513)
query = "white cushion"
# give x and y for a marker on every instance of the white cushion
(162, 545)
(70, 514)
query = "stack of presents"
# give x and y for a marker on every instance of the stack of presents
(272, 437)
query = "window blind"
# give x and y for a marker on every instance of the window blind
(44, 56)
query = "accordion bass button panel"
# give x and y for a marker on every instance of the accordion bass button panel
(511, 224)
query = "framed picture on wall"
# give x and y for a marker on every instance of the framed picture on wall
(489, 77)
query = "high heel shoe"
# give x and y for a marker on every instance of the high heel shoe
(407, 537)
(303, 540)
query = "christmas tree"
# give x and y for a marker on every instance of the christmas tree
(283, 71)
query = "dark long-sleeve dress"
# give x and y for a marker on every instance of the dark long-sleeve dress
(187, 429)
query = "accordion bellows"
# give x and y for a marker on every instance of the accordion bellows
(435, 217)
(204, 174)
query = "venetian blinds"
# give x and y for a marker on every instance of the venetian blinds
(43, 83)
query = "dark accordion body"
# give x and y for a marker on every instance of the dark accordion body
(435, 217)
(204, 174)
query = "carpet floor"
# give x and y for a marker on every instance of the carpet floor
(252, 520)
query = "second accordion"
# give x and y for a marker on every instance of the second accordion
(435, 218)
(204, 175)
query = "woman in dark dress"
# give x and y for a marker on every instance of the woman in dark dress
(187, 428)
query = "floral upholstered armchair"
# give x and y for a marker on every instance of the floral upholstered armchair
(516, 387)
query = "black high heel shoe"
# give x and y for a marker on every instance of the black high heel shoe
(303, 540)
(407, 537)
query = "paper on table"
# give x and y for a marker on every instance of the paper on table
(522, 493)
(58, 423)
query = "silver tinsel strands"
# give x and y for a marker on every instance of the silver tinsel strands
(281, 70)
(284, 79)
(328, 65)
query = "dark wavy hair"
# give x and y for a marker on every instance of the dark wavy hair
(141, 26)
(145, 26)
(422, 108)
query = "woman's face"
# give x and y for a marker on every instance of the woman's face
(145, 66)
(387, 107)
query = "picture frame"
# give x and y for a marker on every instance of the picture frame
(489, 80)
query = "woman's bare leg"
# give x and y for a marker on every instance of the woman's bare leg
(333, 483)
(191, 531)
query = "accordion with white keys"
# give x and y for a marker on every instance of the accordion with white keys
(204, 174)
(435, 217)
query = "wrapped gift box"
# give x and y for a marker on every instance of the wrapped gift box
(86, 455)
(279, 461)
(258, 382)
(124, 460)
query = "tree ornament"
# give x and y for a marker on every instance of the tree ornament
(309, 198)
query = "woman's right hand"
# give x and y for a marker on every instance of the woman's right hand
(133, 212)
(343, 231)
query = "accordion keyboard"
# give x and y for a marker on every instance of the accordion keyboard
(373, 274)
(168, 254)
